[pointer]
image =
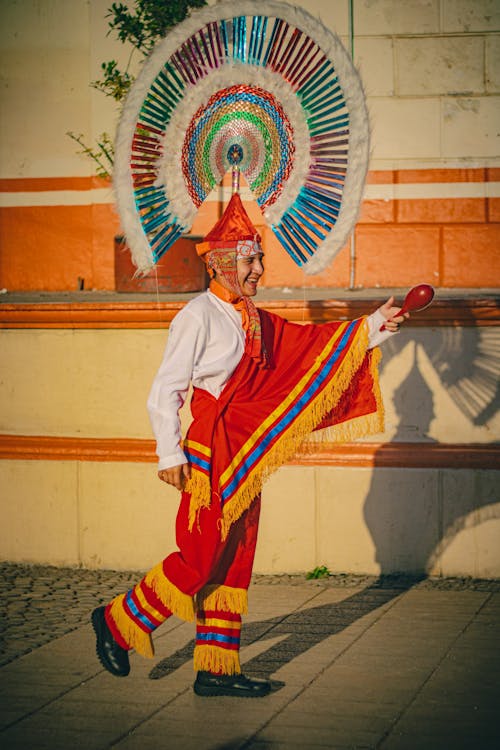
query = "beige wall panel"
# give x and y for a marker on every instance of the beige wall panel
(404, 128)
(389, 17)
(120, 516)
(470, 536)
(333, 13)
(45, 59)
(473, 552)
(374, 57)
(288, 522)
(440, 65)
(493, 64)
(34, 23)
(344, 542)
(127, 516)
(85, 383)
(377, 522)
(470, 127)
(52, 50)
(102, 43)
(471, 15)
(462, 162)
(39, 512)
(103, 47)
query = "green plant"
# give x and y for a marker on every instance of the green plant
(142, 26)
(320, 571)
(101, 154)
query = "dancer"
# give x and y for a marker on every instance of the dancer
(261, 385)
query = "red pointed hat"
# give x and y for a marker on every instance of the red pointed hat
(234, 228)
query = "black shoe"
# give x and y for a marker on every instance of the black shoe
(230, 684)
(112, 656)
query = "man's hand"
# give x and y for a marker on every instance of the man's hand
(392, 319)
(177, 476)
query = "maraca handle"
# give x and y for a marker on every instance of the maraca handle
(403, 311)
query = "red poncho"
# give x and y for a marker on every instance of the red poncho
(317, 376)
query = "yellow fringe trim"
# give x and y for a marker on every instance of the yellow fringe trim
(129, 631)
(215, 598)
(374, 364)
(177, 602)
(292, 440)
(217, 660)
(199, 488)
(346, 432)
(353, 429)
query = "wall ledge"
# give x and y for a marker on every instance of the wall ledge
(478, 311)
(135, 450)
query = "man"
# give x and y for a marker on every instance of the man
(261, 385)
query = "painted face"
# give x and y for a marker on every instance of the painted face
(249, 270)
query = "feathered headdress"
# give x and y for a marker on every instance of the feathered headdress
(264, 80)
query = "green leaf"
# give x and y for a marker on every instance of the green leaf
(320, 571)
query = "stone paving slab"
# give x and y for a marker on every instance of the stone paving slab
(356, 663)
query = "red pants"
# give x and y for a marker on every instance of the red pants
(207, 578)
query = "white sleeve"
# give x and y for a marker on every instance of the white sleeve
(170, 388)
(375, 335)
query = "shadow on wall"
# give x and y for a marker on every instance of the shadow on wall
(466, 360)
(409, 528)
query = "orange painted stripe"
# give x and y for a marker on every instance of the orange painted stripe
(89, 315)
(48, 448)
(46, 184)
(404, 455)
(440, 210)
(424, 211)
(439, 175)
(380, 177)
(374, 177)
(465, 312)
(408, 176)
(389, 455)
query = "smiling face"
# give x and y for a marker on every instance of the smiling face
(249, 270)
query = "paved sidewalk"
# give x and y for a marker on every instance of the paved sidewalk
(356, 662)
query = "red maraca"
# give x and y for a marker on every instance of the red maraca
(418, 298)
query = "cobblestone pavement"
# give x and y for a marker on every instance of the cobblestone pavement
(39, 603)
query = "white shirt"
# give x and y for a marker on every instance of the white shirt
(205, 343)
